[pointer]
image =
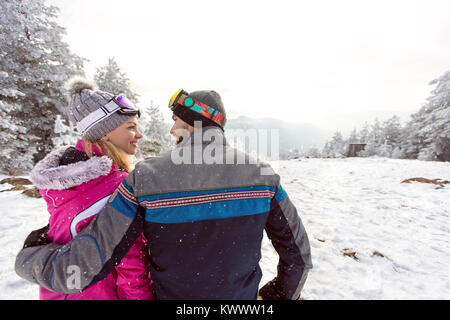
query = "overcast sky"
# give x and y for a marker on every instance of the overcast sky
(329, 63)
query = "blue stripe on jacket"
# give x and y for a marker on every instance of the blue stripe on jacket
(211, 210)
(122, 204)
(280, 195)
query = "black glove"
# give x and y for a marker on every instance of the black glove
(37, 238)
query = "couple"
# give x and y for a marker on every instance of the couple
(163, 230)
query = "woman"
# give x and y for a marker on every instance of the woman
(76, 182)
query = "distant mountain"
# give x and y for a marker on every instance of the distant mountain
(301, 136)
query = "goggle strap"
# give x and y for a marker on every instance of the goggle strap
(96, 116)
(207, 111)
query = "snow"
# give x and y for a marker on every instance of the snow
(396, 235)
(360, 204)
(20, 215)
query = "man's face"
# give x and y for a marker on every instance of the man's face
(180, 129)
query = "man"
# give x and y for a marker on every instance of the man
(203, 208)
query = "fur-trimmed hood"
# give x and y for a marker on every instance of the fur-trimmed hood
(48, 174)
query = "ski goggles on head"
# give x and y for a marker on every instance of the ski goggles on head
(126, 107)
(181, 98)
(120, 104)
(176, 95)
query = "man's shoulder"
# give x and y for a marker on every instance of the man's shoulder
(241, 166)
(159, 159)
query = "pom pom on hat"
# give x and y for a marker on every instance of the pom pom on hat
(77, 84)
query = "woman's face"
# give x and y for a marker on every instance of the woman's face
(125, 136)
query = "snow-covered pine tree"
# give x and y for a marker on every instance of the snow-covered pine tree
(413, 137)
(354, 137)
(437, 122)
(326, 150)
(64, 134)
(364, 133)
(336, 148)
(156, 133)
(111, 79)
(427, 134)
(374, 140)
(17, 151)
(34, 63)
(392, 131)
(384, 138)
(313, 152)
(376, 133)
(397, 153)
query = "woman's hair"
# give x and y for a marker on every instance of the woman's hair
(117, 155)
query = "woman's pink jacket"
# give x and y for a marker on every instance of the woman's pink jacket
(75, 193)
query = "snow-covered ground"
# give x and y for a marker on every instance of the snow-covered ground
(396, 236)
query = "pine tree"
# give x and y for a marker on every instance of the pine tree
(437, 122)
(336, 148)
(428, 132)
(111, 79)
(64, 134)
(413, 137)
(156, 133)
(391, 131)
(364, 133)
(385, 138)
(376, 134)
(374, 140)
(16, 145)
(34, 65)
(312, 152)
(326, 151)
(354, 137)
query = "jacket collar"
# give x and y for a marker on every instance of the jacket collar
(49, 174)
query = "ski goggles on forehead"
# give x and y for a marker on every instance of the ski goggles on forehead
(176, 95)
(181, 98)
(126, 107)
(120, 104)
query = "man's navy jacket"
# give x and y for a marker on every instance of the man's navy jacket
(203, 208)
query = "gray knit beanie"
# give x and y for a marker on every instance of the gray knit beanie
(85, 98)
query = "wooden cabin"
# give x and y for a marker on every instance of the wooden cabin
(354, 148)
